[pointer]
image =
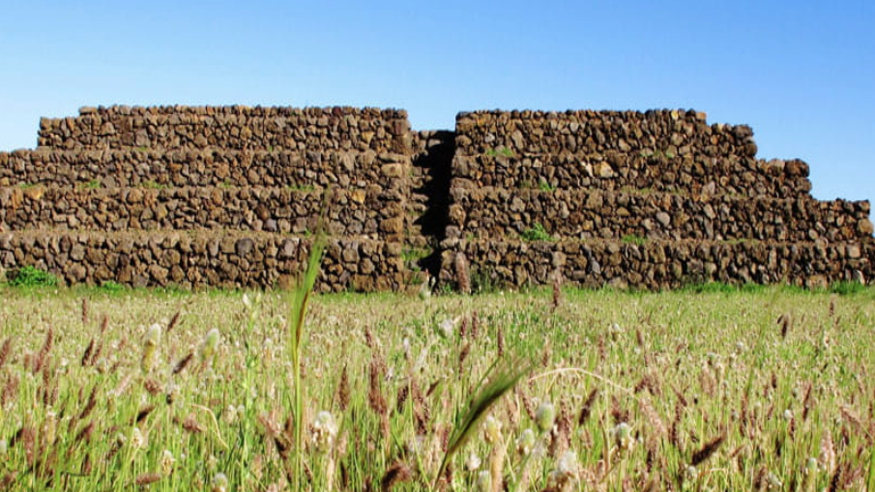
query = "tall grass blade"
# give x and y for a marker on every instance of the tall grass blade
(500, 378)
(300, 298)
(870, 478)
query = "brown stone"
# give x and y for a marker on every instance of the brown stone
(394, 225)
(392, 170)
(244, 246)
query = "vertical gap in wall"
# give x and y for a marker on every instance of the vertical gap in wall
(434, 165)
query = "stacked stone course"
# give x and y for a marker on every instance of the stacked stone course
(207, 167)
(230, 127)
(231, 196)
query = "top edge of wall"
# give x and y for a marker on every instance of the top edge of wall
(540, 114)
(121, 109)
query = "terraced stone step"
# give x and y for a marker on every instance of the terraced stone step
(200, 259)
(230, 127)
(370, 212)
(657, 264)
(581, 214)
(211, 167)
(656, 172)
(678, 132)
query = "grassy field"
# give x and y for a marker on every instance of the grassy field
(758, 389)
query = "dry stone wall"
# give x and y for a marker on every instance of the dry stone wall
(652, 200)
(580, 214)
(196, 259)
(224, 196)
(662, 264)
(211, 167)
(743, 176)
(371, 212)
(230, 127)
(675, 132)
(230, 196)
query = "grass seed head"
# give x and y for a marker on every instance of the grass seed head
(147, 478)
(622, 435)
(219, 483)
(395, 474)
(5, 351)
(566, 473)
(150, 346)
(473, 462)
(230, 415)
(492, 430)
(209, 345)
(525, 443)
(463, 277)
(484, 481)
(707, 450)
(166, 462)
(773, 482)
(323, 432)
(545, 416)
(691, 473)
(446, 328)
(138, 440)
(153, 335)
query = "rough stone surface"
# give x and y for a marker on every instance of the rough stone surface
(231, 196)
(230, 127)
(654, 200)
(256, 259)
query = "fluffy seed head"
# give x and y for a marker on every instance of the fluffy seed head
(153, 335)
(492, 430)
(473, 462)
(691, 473)
(209, 345)
(484, 481)
(545, 415)
(525, 442)
(811, 466)
(773, 482)
(219, 483)
(166, 462)
(230, 414)
(138, 440)
(446, 328)
(622, 435)
(566, 471)
(323, 432)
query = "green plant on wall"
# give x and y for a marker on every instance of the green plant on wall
(536, 233)
(634, 239)
(502, 151)
(302, 188)
(153, 185)
(31, 276)
(545, 186)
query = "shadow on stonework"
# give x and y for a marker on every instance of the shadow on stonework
(431, 189)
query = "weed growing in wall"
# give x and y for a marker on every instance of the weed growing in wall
(31, 276)
(153, 185)
(634, 239)
(536, 233)
(500, 151)
(90, 185)
(545, 186)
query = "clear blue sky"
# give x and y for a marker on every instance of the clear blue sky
(801, 73)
